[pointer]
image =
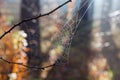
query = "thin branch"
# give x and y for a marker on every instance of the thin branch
(30, 67)
(30, 19)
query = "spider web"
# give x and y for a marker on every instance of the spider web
(63, 38)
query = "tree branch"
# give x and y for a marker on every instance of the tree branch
(29, 67)
(30, 19)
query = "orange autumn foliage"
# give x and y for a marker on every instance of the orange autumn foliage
(9, 53)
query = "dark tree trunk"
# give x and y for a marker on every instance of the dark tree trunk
(30, 8)
(82, 37)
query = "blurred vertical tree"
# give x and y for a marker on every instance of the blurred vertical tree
(107, 26)
(82, 38)
(32, 30)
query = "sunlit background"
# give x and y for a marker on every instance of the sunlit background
(82, 38)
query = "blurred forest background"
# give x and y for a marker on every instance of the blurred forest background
(81, 38)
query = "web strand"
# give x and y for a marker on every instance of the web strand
(67, 32)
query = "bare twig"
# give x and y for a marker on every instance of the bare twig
(30, 19)
(30, 67)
